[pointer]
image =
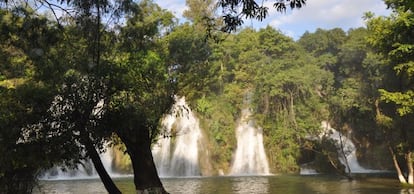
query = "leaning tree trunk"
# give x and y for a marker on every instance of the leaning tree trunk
(146, 178)
(397, 166)
(410, 168)
(94, 156)
(100, 169)
(344, 154)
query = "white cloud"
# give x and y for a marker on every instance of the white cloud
(177, 7)
(326, 14)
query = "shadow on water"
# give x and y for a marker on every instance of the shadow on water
(283, 184)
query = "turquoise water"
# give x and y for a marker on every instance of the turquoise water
(283, 184)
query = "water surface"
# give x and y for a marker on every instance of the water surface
(282, 184)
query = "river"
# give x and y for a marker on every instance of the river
(283, 184)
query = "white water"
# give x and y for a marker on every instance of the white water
(250, 157)
(85, 171)
(348, 148)
(307, 171)
(176, 152)
(175, 155)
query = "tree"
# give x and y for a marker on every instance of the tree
(357, 80)
(76, 113)
(391, 37)
(28, 51)
(134, 114)
(290, 101)
(133, 84)
(84, 93)
(325, 45)
(189, 53)
(357, 74)
(73, 112)
(199, 10)
(143, 90)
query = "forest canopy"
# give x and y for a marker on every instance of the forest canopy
(106, 73)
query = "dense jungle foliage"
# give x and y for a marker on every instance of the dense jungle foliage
(71, 85)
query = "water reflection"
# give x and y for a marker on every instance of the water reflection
(93, 186)
(328, 185)
(242, 185)
(183, 185)
(249, 185)
(407, 191)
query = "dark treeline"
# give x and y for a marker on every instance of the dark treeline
(70, 86)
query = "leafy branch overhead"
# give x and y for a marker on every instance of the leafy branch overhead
(234, 11)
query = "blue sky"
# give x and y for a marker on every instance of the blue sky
(326, 14)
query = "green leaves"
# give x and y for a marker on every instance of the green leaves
(204, 106)
(235, 10)
(391, 36)
(403, 100)
(407, 68)
(401, 50)
(58, 81)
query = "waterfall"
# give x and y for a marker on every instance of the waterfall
(250, 157)
(307, 171)
(86, 169)
(83, 171)
(161, 150)
(348, 148)
(176, 152)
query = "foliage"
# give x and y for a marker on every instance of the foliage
(288, 97)
(25, 95)
(403, 100)
(77, 77)
(78, 80)
(234, 11)
(399, 54)
(391, 37)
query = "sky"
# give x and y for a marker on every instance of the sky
(325, 14)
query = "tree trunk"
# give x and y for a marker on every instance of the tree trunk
(401, 177)
(397, 167)
(266, 104)
(292, 110)
(344, 154)
(100, 169)
(146, 178)
(410, 168)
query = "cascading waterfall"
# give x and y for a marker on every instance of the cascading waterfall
(307, 171)
(161, 150)
(250, 157)
(176, 152)
(349, 149)
(84, 171)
